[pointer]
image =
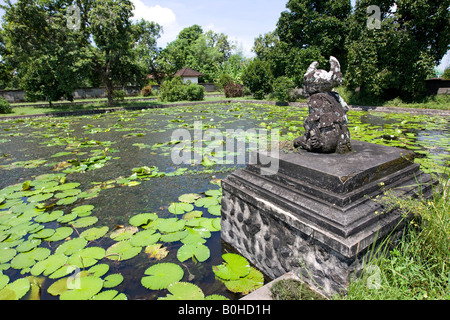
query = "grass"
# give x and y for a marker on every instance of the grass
(419, 267)
(291, 289)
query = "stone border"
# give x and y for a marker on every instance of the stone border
(431, 112)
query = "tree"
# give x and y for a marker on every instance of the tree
(395, 59)
(44, 53)
(258, 78)
(110, 26)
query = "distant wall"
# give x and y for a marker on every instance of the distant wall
(81, 93)
(14, 96)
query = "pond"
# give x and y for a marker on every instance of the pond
(102, 195)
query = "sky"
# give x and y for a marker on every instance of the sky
(241, 20)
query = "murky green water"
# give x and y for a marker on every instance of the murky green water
(123, 141)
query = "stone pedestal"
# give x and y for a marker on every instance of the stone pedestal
(318, 215)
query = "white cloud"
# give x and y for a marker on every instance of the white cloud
(163, 16)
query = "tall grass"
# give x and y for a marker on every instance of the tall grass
(419, 267)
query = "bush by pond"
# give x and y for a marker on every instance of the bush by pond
(176, 90)
(5, 107)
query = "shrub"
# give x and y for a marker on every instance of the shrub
(233, 90)
(446, 74)
(5, 107)
(281, 89)
(119, 95)
(176, 90)
(223, 81)
(257, 77)
(194, 92)
(146, 91)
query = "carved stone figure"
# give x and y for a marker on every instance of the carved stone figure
(326, 128)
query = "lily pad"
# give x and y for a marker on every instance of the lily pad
(99, 270)
(94, 233)
(235, 267)
(83, 211)
(171, 225)
(113, 280)
(40, 197)
(189, 198)
(187, 251)
(145, 238)
(122, 250)
(156, 251)
(184, 291)
(161, 275)
(67, 218)
(49, 265)
(215, 210)
(6, 255)
(15, 290)
(60, 234)
(84, 222)
(88, 287)
(207, 202)
(123, 233)
(66, 201)
(180, 208)
(247, 284)
(142, 219)
(71, 246)
(86, 257)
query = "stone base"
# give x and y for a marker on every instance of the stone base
(318, 215)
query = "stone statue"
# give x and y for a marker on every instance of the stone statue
(326, 125)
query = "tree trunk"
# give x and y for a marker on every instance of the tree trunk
(109, 84)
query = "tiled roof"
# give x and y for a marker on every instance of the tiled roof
(188, 72)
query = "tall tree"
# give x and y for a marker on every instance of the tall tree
(396, 58)
(110, 26)
(44, 52)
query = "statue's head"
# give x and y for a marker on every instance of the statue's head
(317, 80)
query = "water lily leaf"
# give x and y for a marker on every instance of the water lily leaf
(214, 193)
(4, 279)
(68, 186)
(247, 284)
(161, 275)
(216, 297)
(171, 225)
(180, 208)
(113, 280)
(106, 295)
(215, 210)
(44, 233)
(66, 201)
(6, 255)
(156, 251)
(173, 237)
(122, 250)
(207, 162)
(235, 267)
(84, 222)
(49, 265)
(88, 287)
(191, 215)
(40, 197)
(86, 257)
(48, 217)
(142, 219)
(69, 247)
(60, 234)
(67, 218)
(94, 233)
(217, 224)
(83, 211)
(207, 202)
(189, 198)
(123, 233)
(184, 291)
(61, 154)
(67, 193)
(99, 270)
(145, 238)
(15, 290)
(58, 287)
(28, 259)
(187, 251)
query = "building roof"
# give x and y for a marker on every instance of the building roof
(188, 72)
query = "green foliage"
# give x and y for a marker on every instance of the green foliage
(281, 88)
(176, 90)
(5, 107)
(257, 77)
(119, 95)
(446, 74)
(146, 91)
(233, 90)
